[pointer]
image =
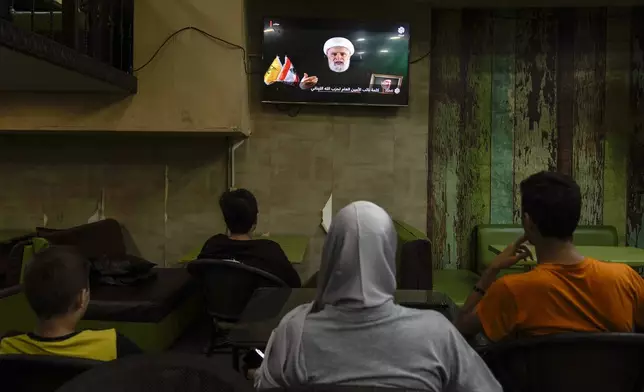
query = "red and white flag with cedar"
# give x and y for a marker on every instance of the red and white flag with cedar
(288, 74)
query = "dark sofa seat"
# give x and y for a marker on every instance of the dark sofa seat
(148, 301)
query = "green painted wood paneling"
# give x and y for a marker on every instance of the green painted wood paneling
(588, 131)
(635, 215)
(617, 119)
(514, 92)
(567, 22)
(473, 202)
(502, 130)
(445, 127)
(535, 134)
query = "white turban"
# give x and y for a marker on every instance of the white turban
(339, 41)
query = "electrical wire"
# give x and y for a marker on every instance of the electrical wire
(230, 44)
(215, 38)
(420, 58)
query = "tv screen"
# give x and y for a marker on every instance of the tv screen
(335, 62)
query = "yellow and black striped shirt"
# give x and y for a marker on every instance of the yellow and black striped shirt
(104, 345)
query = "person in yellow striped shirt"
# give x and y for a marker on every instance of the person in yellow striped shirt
(56, 285)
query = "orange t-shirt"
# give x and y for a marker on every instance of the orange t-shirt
(591, 296)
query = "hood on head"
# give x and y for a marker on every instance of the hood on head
(358, 268)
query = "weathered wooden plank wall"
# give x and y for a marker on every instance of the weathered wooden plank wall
(502, 132)
(565, 88)
(635, 207)
(617, 118)
(444, 153)
(460, 132)
(588, 134)
(535, 133)
(514, 92)
(473, 197)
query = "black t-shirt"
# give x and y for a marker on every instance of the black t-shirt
(263, 254)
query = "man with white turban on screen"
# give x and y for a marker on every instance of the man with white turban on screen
(338, 52)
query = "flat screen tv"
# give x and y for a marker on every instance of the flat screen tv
(335, 62)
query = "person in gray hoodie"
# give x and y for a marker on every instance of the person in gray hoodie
(354, 333)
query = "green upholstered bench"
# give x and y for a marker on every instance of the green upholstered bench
(487, 235)
(153, 314)
(458, 283)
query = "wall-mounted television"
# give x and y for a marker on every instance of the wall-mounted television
(335, 62)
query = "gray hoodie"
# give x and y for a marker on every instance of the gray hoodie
(354, 334)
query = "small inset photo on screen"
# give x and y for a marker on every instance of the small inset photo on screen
(388, 84)
(335, 62)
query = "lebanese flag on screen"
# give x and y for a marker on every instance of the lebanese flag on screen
(288, 74)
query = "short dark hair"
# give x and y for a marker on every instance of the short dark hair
(553, 202)
(239, 207)
(53, 280)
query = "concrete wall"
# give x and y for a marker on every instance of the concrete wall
(194, 84)
(161, 188)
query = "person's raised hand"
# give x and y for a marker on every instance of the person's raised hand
(308, 82)
(512, 254)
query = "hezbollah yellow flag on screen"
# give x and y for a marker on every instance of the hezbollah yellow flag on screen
(273, 71)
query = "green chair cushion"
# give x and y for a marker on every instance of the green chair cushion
(487, 235)
(596, 236)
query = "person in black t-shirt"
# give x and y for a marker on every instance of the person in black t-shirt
(239, 208)
(56, 285)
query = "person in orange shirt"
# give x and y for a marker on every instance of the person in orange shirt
(566, 292)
